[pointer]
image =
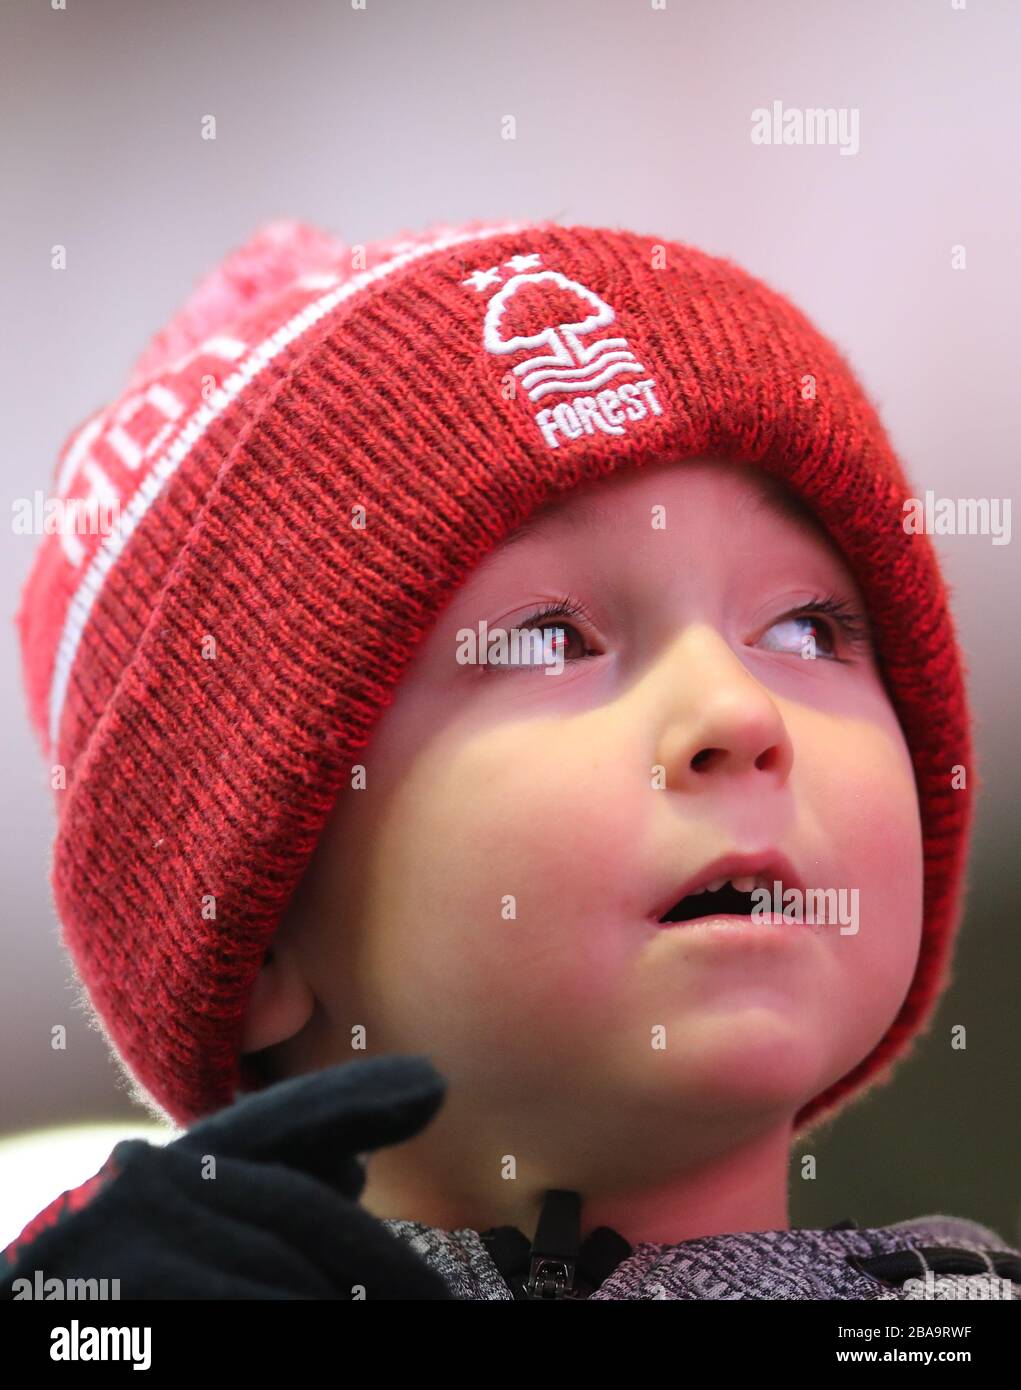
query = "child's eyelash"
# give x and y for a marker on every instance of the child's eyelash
(851, 622)
(848, 618)
(566, 607)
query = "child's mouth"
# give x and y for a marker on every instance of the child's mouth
(731, 886)
(724, 902)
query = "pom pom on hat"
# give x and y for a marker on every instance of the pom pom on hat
(268, 262)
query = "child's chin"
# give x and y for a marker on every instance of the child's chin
(754, 1056)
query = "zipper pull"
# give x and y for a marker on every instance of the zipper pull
(554, 1254)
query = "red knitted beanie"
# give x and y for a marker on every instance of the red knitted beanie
(204, 669)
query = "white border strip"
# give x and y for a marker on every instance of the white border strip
(112, 545)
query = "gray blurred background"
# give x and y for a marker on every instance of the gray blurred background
(370, 122)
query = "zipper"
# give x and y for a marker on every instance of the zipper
(553, 1259)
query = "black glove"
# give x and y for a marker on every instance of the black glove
(281, 1217)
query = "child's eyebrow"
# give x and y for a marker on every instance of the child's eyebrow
(776, 498)
(584, 510)
(592, 511)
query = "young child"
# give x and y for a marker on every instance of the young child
(513, 773)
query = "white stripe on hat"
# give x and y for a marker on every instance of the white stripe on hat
(112, 545)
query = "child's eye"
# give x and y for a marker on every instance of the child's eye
(802, 631)
(822, 627)
(563, 634)
(574, 646)
(553, 616)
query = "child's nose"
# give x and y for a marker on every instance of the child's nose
(718, 721)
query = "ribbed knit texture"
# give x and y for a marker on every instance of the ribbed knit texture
(189, 776)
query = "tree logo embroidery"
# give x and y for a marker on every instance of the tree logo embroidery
(560, 324)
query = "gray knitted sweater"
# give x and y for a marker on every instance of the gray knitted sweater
(963, 1260)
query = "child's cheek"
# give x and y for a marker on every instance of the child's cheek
(524, 851)
(864, 797)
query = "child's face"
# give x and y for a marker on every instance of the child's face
(490, 786)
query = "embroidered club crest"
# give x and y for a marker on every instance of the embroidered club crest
(557, 327)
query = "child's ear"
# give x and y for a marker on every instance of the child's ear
(281, 1003)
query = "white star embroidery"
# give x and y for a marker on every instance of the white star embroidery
(482, 279)
(520, 263)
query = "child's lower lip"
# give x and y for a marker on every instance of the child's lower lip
(733, 924)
